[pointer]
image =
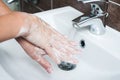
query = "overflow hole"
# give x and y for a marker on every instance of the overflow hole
(82, 43)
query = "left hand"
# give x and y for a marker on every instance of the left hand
(35, 53)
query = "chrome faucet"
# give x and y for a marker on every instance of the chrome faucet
(88, 1)
(11, 1)
(96, 14)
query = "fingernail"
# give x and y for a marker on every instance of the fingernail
(76, 61)
(49, 70)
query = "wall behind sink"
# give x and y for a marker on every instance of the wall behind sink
(114, 15)
(114, 9)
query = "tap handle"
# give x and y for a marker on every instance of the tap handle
(11, 1)
(88, 1)
(95, 9)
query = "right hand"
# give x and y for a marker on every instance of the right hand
(39, 33)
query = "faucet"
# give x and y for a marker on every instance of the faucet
(11, 1)
(96, 15)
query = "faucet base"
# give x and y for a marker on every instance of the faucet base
(97, 27)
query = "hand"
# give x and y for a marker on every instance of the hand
(35, 53)
(52, 43)
(39, 33)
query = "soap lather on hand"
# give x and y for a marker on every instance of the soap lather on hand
(55, 45)
(37, 38)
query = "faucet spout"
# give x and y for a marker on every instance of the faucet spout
(95, 25)
(82, 19)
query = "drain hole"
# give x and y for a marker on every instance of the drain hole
(82, 43)
(66, 66)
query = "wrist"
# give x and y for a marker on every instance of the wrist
(24, 22)
(30, 25)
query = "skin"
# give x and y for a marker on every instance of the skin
(27, 46)
(36, 37)
(4, 9)
(35, 53)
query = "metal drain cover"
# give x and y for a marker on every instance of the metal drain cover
(66, 66)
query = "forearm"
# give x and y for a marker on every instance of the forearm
(8, 32)
(10, 25)
(4, 9)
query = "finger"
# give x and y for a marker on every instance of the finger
(38, 56)
(59, 47)
(68, 49)
(59, 44)
(35, 53)
(44, 63)
(63, 56)
(72, 49)
(74, 43)
(28, 47)
(53, 53)
(56, 55)
(70, 59)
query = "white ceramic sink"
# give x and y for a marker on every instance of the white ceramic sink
(99, 59)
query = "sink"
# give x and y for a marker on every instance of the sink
(99, 58)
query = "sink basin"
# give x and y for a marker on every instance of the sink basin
(99, 58)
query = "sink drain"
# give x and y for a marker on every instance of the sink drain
(66, 66)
